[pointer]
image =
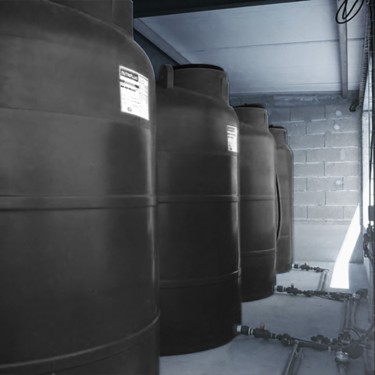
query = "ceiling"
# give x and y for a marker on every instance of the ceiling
(278, 47)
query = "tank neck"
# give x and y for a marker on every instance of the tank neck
(279, 133)
(208, 80)
(116, 12)
(254, 116)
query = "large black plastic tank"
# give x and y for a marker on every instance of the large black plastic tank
(197, 226)
(78, 276)
(258, 222)
(284, 170)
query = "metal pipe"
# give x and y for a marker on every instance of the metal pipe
(295, 356)
(349, 312)
(322, 281)
(342, 361)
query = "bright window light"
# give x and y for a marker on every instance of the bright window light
(340, 276)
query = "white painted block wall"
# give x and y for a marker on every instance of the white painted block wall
(325, 137)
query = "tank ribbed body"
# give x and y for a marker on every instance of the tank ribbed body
(197, 230)
(284, 170)
(258, 224)
(78, 276)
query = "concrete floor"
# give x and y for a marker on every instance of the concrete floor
(298, 316)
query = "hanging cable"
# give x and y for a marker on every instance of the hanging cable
(343, 15)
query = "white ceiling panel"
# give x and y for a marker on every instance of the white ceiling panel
(280, 68)
(255, 25)
(289, 47)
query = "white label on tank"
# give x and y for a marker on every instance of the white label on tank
(232, 135)
(133, 92)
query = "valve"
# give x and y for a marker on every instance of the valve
(321, 339)
(260, 332)
(342, 358)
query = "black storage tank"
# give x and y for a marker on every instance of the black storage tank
(197, 223)
(78, 276)
(258, 222)
(284, 170)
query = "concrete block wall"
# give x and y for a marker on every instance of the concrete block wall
(325, 137)
(327, 168)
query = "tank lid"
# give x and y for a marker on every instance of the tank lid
(279, 133)
(198, 66)
(206, 79)
(254, 115)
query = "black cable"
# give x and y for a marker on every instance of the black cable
(333, 296)
(307, 267)
(353, 348)
(345, 15)
(367, 252)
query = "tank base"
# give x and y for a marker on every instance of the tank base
(124, 357)
(197, 318)
(258, 274)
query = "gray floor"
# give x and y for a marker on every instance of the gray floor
(298, 316)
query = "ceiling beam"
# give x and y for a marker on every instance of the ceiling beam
(150, 8)
(343, 52)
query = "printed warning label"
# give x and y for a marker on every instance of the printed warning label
(134, 93)
(232, 135)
